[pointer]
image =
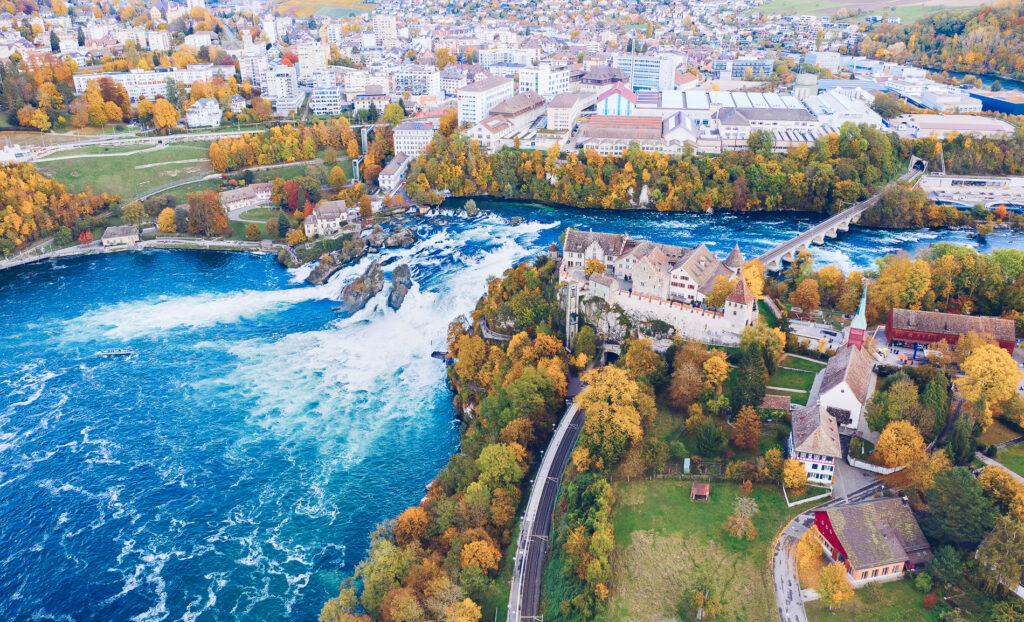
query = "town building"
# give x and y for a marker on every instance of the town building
(204, 112)
(876, 540)
(544, 80)
(412, 136)
(391, 176)
(417, 81)
(158, 40)
(907, 327)
(739, 68)
(966, 191)
(326, 100)
(328, 218)
(832, 108)
(385, 29)
(252, 64)
(941, 126)
(120, 235)
(312, 59)
(237, 103)
(512, 115)
(149, 84)
(814, 441)
(1008, 102)
(647, 73)
(281, 88)
(563, 109)
(478, 98)
(246, 197)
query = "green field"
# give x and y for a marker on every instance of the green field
(908, 11)
(1012, 458)
(123, 176)
(260, 214)
(789, 379)
(799, 363)
(95, 149)
(884, 601)
(795, 398)
(664, 543)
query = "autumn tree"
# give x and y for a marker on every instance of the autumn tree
(747, 428)
(809, 559)
(794, 476)
(642, 362)
(482, 554)
(806, 296)
(715, 370)
(252, 232)
(685, 385)
(720, 290)
(833, 586)
(410, 525)
(899, 444)
(165, 115)
(618, 410)
(134, 213)
(740, 523)
(205, 214)
(166, 221)
(990, 372)
(337, 178)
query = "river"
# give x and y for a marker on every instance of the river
(233, 468)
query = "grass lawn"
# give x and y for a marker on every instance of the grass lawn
(664, 542)
(1012, 458)
(789, 379)
(799, 363)
(882, 601)
(764, 312)
(122, 175)
(795, 398)
(260, 214)
(997, 433)
(181, 192)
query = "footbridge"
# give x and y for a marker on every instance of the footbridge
(830, 227)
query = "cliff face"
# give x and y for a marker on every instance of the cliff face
(328, 265)
(402, 237)
(357, 293)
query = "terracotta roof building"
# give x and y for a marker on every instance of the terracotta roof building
(876, 540)
(906, 326)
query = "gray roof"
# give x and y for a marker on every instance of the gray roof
(577, 241)
(879, 532)
(119, 231)
(815, 431)
(850, 364)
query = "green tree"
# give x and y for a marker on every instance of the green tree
(946, 565)
(586, 342)
(750, 381)
(283, 224)
(393, 114)
(1001, 556)
(382, 571)
(709, 440)
(498, 466)
(960, 514)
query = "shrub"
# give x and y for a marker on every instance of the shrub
(930, 600)
(923, 583)
(991, 451)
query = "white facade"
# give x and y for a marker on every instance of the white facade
(417, 80)
(411, 137)
(252, 64)
(477, 99)
(149, 84)
(205, 112)
(326, 101)
(385, 30)
(647, 73)
(544, 80)
(158, 40)
(834, 108)
(391, 177)
(312, 58)
(281, 88)
(328, 218)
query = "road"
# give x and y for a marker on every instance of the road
(531, 547)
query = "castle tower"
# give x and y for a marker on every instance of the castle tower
(734, 261)
(740, 307)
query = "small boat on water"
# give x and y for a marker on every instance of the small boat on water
(116, 352)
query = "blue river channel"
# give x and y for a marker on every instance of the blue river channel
(233, 468)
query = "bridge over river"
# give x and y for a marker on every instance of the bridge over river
(830, 227)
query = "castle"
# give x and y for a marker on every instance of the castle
(664, 282)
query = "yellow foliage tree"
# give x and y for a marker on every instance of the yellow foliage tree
(990, 372)
(809, 558)
(165, 115)
(900, 444)
(295, 236)
(753, 274)
(716, 370)
(618, 409)
(593, 266)
(482, 554)
(166, 221)
(834, 587)
(794, 476)
(465, 611)
(747, 428)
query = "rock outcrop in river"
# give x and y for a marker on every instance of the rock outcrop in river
(401, 237)
(401, 281)
(328, 265)
(357, 293)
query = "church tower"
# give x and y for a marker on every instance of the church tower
(859, 325)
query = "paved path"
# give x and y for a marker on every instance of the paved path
(531, 547)
(490, 334)
(990, 462)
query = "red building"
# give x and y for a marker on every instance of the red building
(908, 327)
(875, 540)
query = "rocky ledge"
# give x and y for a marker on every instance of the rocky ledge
(401, 281)
(357, 293)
